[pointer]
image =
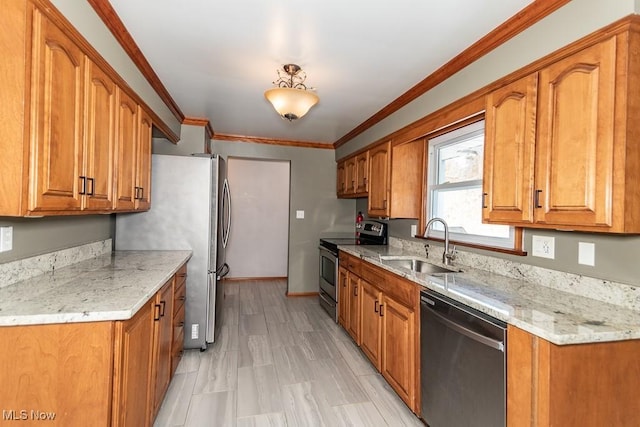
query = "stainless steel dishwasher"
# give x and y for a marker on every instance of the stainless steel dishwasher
(463, 364)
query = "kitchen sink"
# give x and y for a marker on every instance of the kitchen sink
(416, 264)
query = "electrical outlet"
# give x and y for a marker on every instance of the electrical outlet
(414, 230)
(543, 246)
(195, 331)
(6, 239)
(586, 253)
(299, 214)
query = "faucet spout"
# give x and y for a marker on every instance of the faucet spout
(448, 255)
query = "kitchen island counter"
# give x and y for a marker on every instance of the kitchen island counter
(559, 317)
(105, 288)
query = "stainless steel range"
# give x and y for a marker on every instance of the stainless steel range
(369, 233)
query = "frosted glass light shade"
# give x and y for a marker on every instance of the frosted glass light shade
(290, 103)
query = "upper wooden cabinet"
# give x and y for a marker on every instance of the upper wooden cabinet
(379, 179)
(579, 114)
(56, 176)
(362, 174)
(352, 176)
(510, 124)
(64, 114)
(99, 138)
(407, 178)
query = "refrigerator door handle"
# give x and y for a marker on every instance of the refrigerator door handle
(227, 200)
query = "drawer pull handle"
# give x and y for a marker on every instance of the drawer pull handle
(381, 312)
(375, 306)
(163, 307)
(156, 314)
(181, 324)
(182, 298)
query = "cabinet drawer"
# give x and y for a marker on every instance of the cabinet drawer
(351, 263)
(178, 327)
(373, 275)
(401, 290)
(179, 296)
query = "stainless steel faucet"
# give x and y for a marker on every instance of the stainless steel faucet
(447, 255)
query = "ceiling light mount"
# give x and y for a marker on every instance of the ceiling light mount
(292, 99)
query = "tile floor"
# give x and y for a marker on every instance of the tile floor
(279, 361)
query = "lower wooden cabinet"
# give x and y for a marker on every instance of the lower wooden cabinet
(371, 329)
(163, 334)
(132, 368)
(581, 385)
(111, 373)
(385, 328)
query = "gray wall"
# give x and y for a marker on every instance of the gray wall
(615, 256)
(313, 189)
(35, 236)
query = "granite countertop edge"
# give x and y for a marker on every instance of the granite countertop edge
(551, 314)
(109, 287)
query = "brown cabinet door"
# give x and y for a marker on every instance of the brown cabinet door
(163, 330)
(133, 359)
(371, 322)
(100, 138)
(399, 349)
(340, 176)
(56, 181)
(143, 171)
(126, 147)
(509, 149)
(343, 297)
(362, 173)
(379, 165)
(574, 152)
(407, 178)
(354, 308)
(350, 175)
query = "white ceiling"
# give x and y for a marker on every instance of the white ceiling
(216, 58)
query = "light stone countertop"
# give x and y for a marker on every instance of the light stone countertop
(559, 317)
(109, 287)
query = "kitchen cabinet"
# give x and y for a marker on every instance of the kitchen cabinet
(107, 373)
(340, 179)
(126, 189)
(379, 180)
(179, 297)
(407, 179)
(362, 174)
(57, 102)
(349, 295)
(132, 395)
(65, 109)
(163, 334)
(577, 385)
(143, 164)
(586, 151)
(371, 323)
(350, 175)
(509, 150)
(387, 307)
(97, 178)
(343, 297)
(61, 369)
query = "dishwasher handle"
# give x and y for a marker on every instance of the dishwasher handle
(490, 342)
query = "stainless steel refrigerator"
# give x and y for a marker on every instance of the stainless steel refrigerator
(190, 209)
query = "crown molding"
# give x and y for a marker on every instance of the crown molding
(524, 19)
(273, 141)
(113, 22)
(200, 121)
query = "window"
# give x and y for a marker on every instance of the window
(455, 189)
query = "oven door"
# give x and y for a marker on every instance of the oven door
(328, 272)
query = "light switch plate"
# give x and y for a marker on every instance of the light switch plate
(586, 253)
(6, 238)
(543, 246)
(414, 230)
(299, 214)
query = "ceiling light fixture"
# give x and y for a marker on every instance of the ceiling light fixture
(292, 99)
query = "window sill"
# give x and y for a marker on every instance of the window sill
(516, 252)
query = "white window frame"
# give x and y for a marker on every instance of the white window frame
(436, 230)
